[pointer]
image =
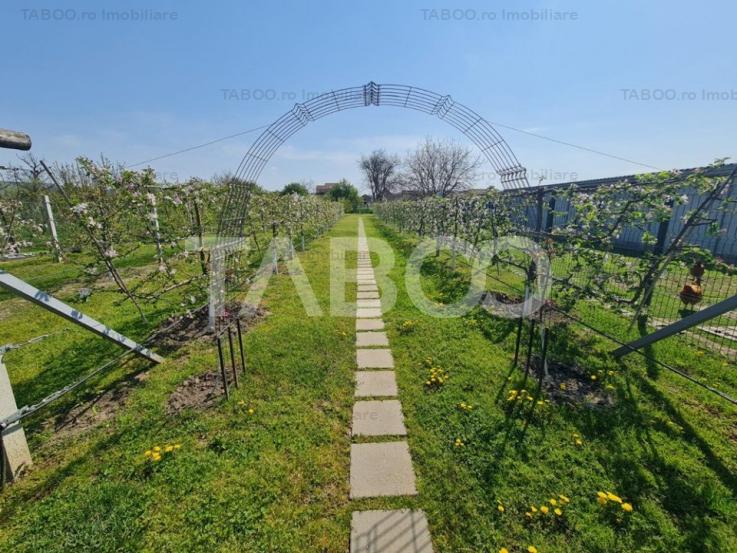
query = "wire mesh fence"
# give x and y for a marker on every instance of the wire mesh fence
(627, 256)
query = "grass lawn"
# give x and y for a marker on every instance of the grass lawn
(276, 479)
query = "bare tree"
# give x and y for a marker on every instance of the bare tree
(439, 168)
(380, 170)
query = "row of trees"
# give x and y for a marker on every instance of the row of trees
(584, 246)
(435, 168)
(108, 217)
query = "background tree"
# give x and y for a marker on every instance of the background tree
(347, 193)
(439, 168)
(381, 172)
(295, 188)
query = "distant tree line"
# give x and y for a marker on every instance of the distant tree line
(435, 168)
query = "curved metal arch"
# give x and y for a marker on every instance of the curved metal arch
(476, 128)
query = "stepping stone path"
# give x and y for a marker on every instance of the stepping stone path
(380, 468)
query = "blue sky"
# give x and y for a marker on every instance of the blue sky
(137, 90)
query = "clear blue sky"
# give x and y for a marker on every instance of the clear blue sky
(136, 90)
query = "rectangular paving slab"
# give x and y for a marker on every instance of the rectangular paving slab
(376, 384)
(368, 303)
(400, 531)
(369, 324)
(368, 288)
(367, 295)
(378, 418)
(368, 339)
(374, 359)
(368, 313)
(383, 469)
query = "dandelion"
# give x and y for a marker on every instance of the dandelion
(251, 411)
(532, 549)
(504, 550)
(169, 448)
(627, 507)
(148, 453)
(558, 512)
(500, 508)
(564, 499)
(157, 449)
(544, 509)
(613, 497)
(553, 502)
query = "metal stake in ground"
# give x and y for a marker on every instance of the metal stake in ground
(223, 374)
(232, 356)
(240, 345)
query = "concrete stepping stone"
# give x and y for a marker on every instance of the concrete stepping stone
(378, 418)
(376, 384)
(365, 280)
(400, 531)
(367, 295)
(368, 313)
(383, 469)
(368, 339)
(374, 359)
(367, 288)
(369, 324)
(368, 303)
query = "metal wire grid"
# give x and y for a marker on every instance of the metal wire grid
(472, 125)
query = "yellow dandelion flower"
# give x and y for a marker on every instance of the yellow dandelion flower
(601, 500)
(533, 509)
(250, 411)
(558, 512)
(544, 509)
(553, 502)
(613, 497)
(578, 441)
(564, 499)
(528, 514)
(627, 507)
(500, 508)
(156, 457)
(593, 377)
(169, 448)
(157, 449)
(148, 453)
(532, 549)
(177, 446)
(504, 550)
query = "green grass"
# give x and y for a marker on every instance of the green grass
(665, 446)
(277, 480)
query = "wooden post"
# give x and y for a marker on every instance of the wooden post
(58, 255)
(15, 447)
(14, 140)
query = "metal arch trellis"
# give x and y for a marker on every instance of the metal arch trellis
(491, 144)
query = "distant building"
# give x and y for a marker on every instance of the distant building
(322, 189)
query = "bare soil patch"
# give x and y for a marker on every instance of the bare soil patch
(197, 392)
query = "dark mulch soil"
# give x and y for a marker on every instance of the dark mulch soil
(197, 392)
(578, 389)
(173, 333)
